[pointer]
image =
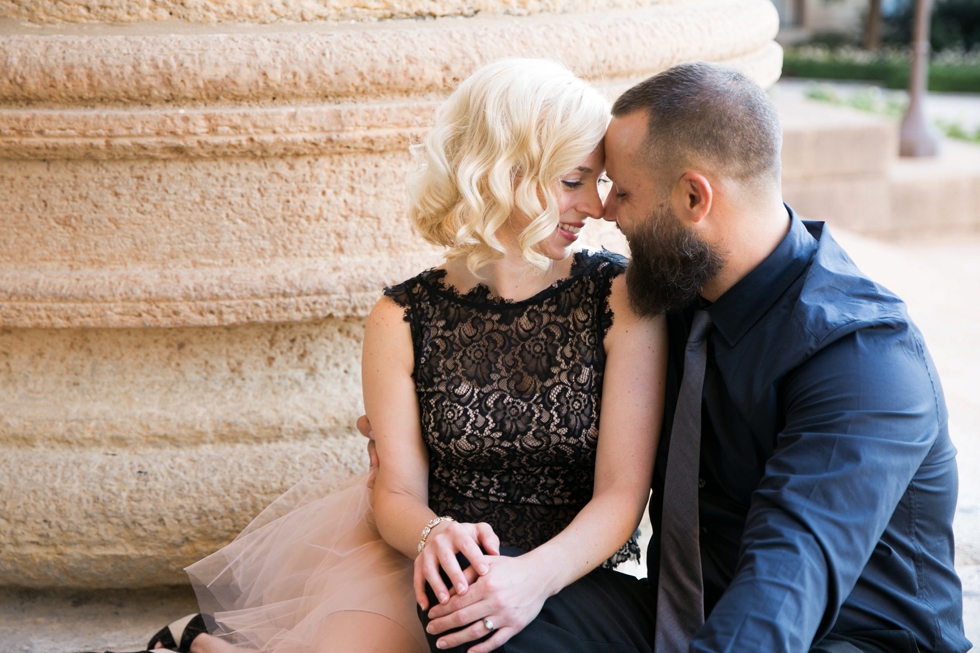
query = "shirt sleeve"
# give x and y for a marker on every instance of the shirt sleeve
(860, 417)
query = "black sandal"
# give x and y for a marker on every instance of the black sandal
(179, 635)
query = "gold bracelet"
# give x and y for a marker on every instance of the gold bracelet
(435, 521)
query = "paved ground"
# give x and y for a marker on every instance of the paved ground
(67, 622)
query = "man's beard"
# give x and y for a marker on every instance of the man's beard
(670, 264)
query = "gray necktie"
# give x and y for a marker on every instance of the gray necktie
(680, 600)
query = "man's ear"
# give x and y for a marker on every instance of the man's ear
(695, 196)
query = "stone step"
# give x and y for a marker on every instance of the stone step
(822, 140)
(836, 162)
(841, 165)
(937, 192)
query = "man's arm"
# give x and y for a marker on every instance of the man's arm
(861, 416)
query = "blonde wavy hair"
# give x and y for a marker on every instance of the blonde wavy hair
(501, 142)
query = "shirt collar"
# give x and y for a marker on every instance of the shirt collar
(743, 304)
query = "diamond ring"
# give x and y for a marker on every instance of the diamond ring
(488, 624)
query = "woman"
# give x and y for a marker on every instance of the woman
(483, 382)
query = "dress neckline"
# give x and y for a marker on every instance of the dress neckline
(480, 294)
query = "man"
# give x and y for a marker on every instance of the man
(827, 481)
(805, 484)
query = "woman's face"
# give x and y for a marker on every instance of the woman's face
(578, 198)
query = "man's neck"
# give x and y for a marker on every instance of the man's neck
(755, 234)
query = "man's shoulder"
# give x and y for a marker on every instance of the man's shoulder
(836, 298)
(831, 303)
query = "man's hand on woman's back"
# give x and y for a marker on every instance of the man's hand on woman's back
(364, 426)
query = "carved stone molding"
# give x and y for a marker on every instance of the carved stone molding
(243, 102)
(377, 60)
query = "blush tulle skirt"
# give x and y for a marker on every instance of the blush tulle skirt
(311, 574)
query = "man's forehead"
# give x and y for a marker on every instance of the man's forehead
(624, 139)
(628, 131)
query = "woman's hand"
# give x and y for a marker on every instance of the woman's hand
(510, 595)
(441, 546)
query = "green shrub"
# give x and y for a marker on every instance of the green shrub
(801, 67)
(961, 79)
(953, 71)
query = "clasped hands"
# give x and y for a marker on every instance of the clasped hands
(507, 591)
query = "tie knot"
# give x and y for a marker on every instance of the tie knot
(699, 327)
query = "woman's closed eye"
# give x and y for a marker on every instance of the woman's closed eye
(572, 184)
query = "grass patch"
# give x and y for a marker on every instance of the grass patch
(958, 131)
(866, 98)
(887, 103)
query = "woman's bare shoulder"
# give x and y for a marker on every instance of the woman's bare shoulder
(387, 316)
(626, 317)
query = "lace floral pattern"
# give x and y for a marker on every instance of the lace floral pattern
(509, 397)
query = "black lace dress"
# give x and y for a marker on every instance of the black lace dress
(509, 395)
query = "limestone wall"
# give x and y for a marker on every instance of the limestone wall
(195, 217)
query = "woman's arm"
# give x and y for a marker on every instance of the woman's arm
(401, 485)
(514, 590)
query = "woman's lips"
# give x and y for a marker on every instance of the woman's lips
(570, 231)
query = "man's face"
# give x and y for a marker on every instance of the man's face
(670, 263)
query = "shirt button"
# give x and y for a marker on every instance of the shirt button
(704, 531)
(701, 483)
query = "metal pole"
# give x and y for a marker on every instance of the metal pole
(916, 137)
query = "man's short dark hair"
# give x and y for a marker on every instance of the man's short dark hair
(707, 114)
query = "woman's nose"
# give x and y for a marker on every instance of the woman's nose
(592, 206)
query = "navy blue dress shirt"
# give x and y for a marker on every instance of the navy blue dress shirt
(828, 479)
